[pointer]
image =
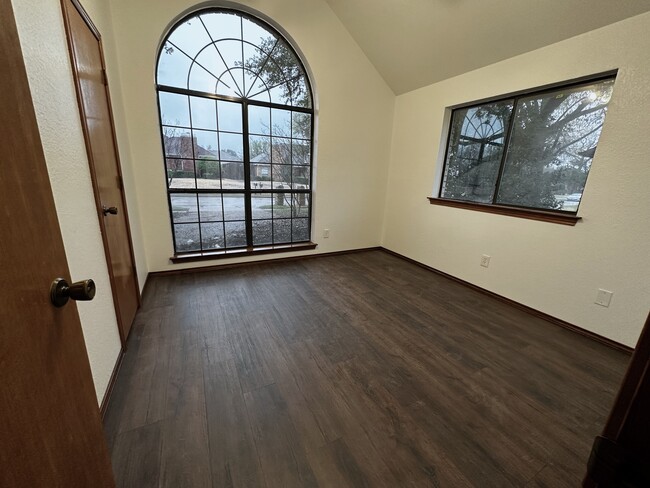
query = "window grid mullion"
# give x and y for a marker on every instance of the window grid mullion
(196, 181)
(506, 146)
(248, 207)
(227, 98)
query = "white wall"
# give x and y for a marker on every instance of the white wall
(43, 41)
(550, 267)
(355, 109)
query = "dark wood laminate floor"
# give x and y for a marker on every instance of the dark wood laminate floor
(353, 370)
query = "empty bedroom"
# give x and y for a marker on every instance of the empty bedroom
(325, 243)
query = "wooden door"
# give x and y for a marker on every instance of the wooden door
(87, 57)
(50, 427)
(621, 456)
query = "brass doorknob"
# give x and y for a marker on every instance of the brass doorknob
(109, 210)
(61, 291)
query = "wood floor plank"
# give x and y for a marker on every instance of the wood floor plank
(351, 370)
(136, 454)
(281, 452)
(233, 455)
(185, 456)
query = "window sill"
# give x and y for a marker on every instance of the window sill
(234, 253)
(523, 213)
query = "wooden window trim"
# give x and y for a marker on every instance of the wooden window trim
(524, 213)
(235, 253)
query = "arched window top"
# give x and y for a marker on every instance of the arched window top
(230, 54)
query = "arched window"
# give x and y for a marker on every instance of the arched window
(236, 117)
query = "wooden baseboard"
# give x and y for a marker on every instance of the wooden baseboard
(537, 313)
(258, 262)
(111, 384)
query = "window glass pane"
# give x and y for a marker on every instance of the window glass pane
(281, 231)
(178, 142)
(260, 92)
(212, 235)
(260, 176)
(235, 234)
(210, 207)
(281, 205)
(253, 59)
(262, 232)
(474, 151)
(300, 178)
(258, 35)
(301, 152)
(204, 113)
(206, 144)
(249, 80)
(260, 149)
(281, 150)
(231, 53)
(229, 116)
(173, 67)
(190, 37)
(174, 109)
(300, 230)
(233, 206)
(184, 207)
(208, 174)
(553, 142)
(180, 173)
(301, 125)
(222, 25)
(301, 93)
(232, 175)
(187, 237)
(281, 123)
(262, 205)
(201, 80)
(300, 205)
(286, 61)
(280, 94)
(281, 176)
(259, 120)
(232, 146)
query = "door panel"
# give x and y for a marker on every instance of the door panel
(97, 120)
(50, 426)
(620, 457)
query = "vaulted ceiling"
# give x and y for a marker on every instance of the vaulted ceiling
(414, 43)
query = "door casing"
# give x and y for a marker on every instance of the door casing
(116, 233)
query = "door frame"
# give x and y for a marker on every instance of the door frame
(98, 204)
(619, 454)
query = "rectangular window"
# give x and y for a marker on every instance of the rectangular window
(531, 151)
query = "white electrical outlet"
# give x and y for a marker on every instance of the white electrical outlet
(326, 233)
(604, 297)
(485, 260)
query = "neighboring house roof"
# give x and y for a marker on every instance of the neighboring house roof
(281, 151)
(181, 147)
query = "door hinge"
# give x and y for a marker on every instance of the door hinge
(120, 183)
(104, 77)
